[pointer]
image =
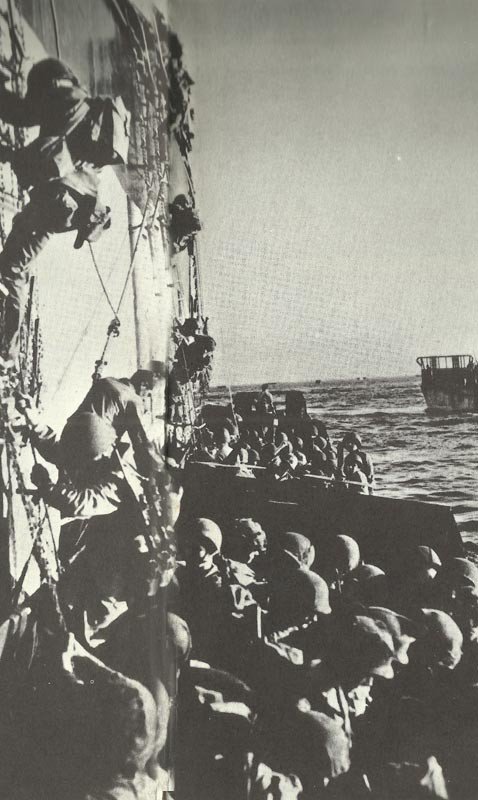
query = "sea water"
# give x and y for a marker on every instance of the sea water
(416, 455)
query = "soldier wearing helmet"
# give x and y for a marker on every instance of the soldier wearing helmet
(354, 464)
(97, 484)
(213, 601)
(79, 135)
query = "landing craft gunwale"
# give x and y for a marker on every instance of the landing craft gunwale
(385, 527)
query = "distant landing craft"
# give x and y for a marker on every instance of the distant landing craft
(449, 383)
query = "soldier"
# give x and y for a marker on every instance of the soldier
(215, 592)
(119, 402)
(60, 170)
(99, 548)
(356, 465)
(265, 401)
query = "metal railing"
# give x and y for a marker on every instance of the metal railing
(461, 361)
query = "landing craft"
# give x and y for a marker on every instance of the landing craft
(317, 506)
(449, 383)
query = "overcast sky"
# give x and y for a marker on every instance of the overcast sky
(336, 162)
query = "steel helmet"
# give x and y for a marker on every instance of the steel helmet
(297, 545)
(207, 533)
(402, 629)
(346, 554)
(361, 645)
(352, 438)
(427, 556)
(366, 571)
(143, 377)
(300, 596)
(443, 637)
(85, 437)
(396, 624)
(460, 573)
(47, 75)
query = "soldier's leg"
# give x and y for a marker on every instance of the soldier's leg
(26, 240)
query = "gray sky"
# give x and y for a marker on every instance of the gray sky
(336, 166)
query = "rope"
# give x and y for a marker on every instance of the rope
(190, 407)
(21, 580)
(100, 278)
(113, 328)
(133, 257)
(87, 326)
(47, 515)
(17, 48)
(55, 28)
(36, 529)
(179, 289)
(112, 332)
(30, 343)
(198, 277)
(141, 229)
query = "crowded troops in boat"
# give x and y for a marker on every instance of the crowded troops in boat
(251, 660)
(279, 445)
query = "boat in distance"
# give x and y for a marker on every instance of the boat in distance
(449, 382)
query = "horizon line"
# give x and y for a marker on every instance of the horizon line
(304, 381)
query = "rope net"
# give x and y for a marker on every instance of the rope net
(23, 519)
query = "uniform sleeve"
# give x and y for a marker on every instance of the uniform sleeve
(147, 458)
(45, 440)
(367, 468)
(99, 500)
(115, 401)
(332, 457)
(137, 434)
(18, 640)
(15, 110)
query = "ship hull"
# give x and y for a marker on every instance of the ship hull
(449, 382)
(451, 398)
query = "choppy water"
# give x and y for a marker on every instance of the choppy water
(416, 455)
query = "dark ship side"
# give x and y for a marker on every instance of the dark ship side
(449, 383)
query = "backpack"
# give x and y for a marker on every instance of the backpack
(104, 141)
(45, 159)
(110, 131)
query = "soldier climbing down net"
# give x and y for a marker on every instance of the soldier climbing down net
(61, 170)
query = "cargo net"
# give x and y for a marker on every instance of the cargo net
(188, 385)
(12, 63)
(24, 519)
(162, 115)
(144, 80)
